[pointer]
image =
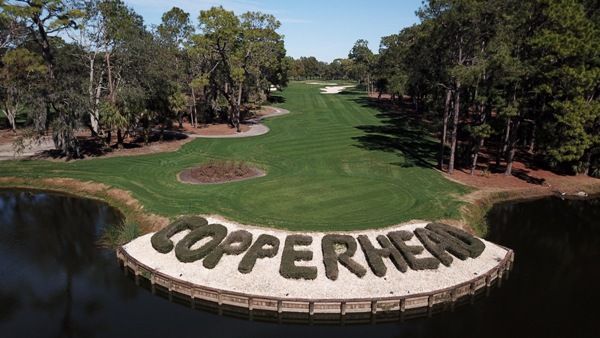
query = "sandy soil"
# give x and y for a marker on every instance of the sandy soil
(174, 140)
(265, 279)
(524, 178)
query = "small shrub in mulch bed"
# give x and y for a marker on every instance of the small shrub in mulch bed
(331, 257)
(161, 241)
(266, 246)
(184, 251)
(219, 172)
(236, 243)
(375, 256)
(399, 238)
(288, 268)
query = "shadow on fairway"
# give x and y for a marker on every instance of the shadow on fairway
(276, 99)
(402, 132)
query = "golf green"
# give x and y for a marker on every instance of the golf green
(333, 163)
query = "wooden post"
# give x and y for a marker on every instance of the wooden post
(429, 306)
(343, 308)
(250, 305)
(279, 306)
(137, 278)
(311, 308)
(374, 307)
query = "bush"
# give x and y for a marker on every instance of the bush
(266, 246)
(161, 241)
(288, 268)
(120, 234)
(236, 243)
(399, 238)
(473, 244)
(375, 256)
(183, 249)
(331, 257)
(438, 245)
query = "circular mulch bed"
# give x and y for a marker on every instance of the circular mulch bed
(219, 172)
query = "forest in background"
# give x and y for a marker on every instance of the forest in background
(67, 64)
(500, 75)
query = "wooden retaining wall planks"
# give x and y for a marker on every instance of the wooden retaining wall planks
(311, 307)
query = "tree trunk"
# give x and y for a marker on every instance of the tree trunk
(476, 155)
(194, 110)
(588, 162)
(454, 134)
(119, 138)
(444, 129)
(512, 148)
(237, 110)
(532, 142)
(11, 114)
(504, 146)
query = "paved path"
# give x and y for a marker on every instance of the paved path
(7, 150)
(256, 128)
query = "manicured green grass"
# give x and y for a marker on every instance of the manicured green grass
(332, 164)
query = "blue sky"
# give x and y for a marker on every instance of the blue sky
(326, 29)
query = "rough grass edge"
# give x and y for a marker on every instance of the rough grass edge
(474, 213)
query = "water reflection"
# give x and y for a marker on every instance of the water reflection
(56, 282)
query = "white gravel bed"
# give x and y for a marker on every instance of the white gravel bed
(334, 89)
(265, 279)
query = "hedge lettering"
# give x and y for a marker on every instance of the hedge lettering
(184, 251)
(236, 243)
(375, 256)
(266, 246)
(288, 267)
(161, 241)
(399, 238)
(331, 257)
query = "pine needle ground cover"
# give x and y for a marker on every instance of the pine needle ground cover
(331, 164)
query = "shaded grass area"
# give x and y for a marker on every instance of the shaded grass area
(328, 169)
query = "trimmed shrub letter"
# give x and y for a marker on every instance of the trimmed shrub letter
(236, 243)
(266, 246)
(183, 249)
(288, 267)
(471, 243)
(409, 251)
(438, 245)
(331, 258)
(161, 241)
(375, 256)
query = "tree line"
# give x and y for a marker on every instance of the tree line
(67, 64)
(507, 75)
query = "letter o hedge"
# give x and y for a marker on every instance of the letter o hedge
(184, 251)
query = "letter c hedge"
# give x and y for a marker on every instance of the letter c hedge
(161, 241)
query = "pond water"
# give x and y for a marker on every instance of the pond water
(55, 281)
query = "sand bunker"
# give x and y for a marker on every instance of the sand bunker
(334, 89)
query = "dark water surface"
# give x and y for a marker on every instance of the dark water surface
(56, 282)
